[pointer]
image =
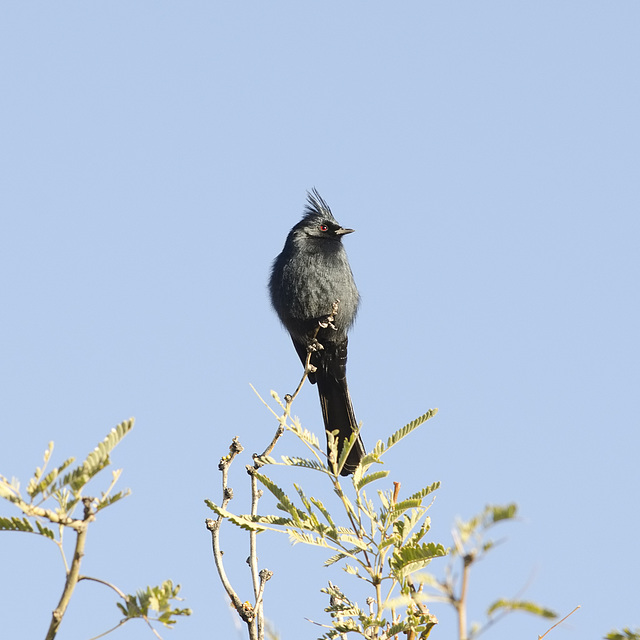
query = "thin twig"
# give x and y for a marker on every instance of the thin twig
(307, 370)
(264, 402)
(108, 631)
(106, 584)
(557, 623)
(126, 598)
(61, 547)
(246, 613)
(256, 494)
(265, 575)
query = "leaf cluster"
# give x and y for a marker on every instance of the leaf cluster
(471, 544)
(51, 505)
(376, 537)
(626, 634)
(64, 490)
(152, 600)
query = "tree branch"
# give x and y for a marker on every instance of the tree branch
(74, 571)
(246, 613)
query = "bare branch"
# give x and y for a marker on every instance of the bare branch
(213, 526)
(557, 623)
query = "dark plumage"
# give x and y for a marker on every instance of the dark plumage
(310, 274)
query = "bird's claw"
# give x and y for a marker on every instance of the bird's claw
(327, 321)
(314, 346)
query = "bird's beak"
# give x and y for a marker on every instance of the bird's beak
(343, 232)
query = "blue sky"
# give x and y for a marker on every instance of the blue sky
(153, 158)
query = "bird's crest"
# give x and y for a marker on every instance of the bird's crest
(316, 206)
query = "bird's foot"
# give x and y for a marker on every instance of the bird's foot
(327, 321)
(314, 346)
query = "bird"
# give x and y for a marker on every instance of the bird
(309, 277)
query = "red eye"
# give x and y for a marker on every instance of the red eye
(323, 227)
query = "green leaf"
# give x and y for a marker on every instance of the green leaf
(306, 436)
(354, 571)
(371, 477)
(244, 522)
(16, 524)
(154, 599)
(279, 520)
(312, 520)
(97, 460)
(355, 541)
(34, 488)
(323, 510)
(397, 629)
(373, 455)
(109, 500)
(265, 460)
(347, 553)
(408, 428)
(418, 535)
(283, 499)
(334, 559)
(627, 634)
(400, 507)
(348, 624)
(423, 493)
(406, 559)
(498, 513)
(521, 605)
(347, 445)
(45, 531)
(305, 463)
(39, 472)
(306, 538)
(389, 541)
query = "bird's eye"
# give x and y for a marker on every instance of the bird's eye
(324, 227)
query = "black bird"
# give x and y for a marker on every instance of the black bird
(307, 278)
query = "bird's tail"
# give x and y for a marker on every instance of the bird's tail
(338, 414)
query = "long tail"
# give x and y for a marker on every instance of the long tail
(337, 410)
(338, 414)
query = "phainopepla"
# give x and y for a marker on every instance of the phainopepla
(307, 278)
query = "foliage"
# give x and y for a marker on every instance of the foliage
(379, 540)
(158, 599)
(626, 634)
(56, 501)
(376, 536)
(471, 544)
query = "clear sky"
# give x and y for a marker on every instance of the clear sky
(153, 156)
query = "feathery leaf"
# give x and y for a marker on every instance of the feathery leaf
(371, 477)
(521, 605)
(408, 428)
(406, 559)
(16, 524)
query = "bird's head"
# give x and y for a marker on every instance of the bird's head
(318, 221)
